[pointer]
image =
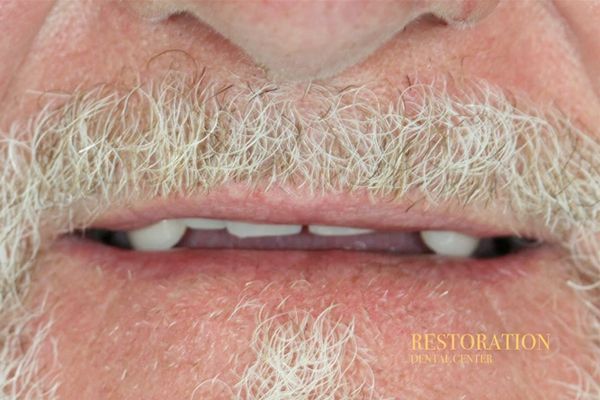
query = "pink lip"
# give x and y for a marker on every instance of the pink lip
(277, 205)
(237, 202)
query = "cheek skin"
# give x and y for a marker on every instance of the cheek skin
(20, 24)
(582, 22)
(123, 333)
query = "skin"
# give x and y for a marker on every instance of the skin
(540, 49)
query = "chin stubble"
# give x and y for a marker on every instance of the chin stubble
(73, 160)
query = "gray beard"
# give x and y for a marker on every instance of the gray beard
(74, 160)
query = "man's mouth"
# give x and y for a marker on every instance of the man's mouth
(230, 234)
(297, 223)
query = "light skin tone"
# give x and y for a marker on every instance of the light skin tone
(194, 323)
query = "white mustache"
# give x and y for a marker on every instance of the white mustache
(178, 135)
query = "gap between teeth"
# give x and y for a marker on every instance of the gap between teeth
(165, 234)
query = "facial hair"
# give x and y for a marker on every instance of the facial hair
(103, 146)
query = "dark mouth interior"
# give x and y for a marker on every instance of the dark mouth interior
(400, 243)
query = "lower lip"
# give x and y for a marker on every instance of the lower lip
(268, 264)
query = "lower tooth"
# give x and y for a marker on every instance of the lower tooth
(327, 230)
(160, 236)
(246, 229)
(450, 243)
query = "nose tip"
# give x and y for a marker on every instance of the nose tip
(296, 40)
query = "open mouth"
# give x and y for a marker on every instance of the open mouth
(293, 223)
(207, 233)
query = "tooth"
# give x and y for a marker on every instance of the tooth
(204, 223)
(245, 229)
(160, 236)
(450, 243)
(327, 230)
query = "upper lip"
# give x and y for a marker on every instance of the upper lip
(295, 206)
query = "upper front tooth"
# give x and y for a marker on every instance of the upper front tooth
(327, 230)
(204, 223)
(450, 243)
(159, 236)
(246, 229)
